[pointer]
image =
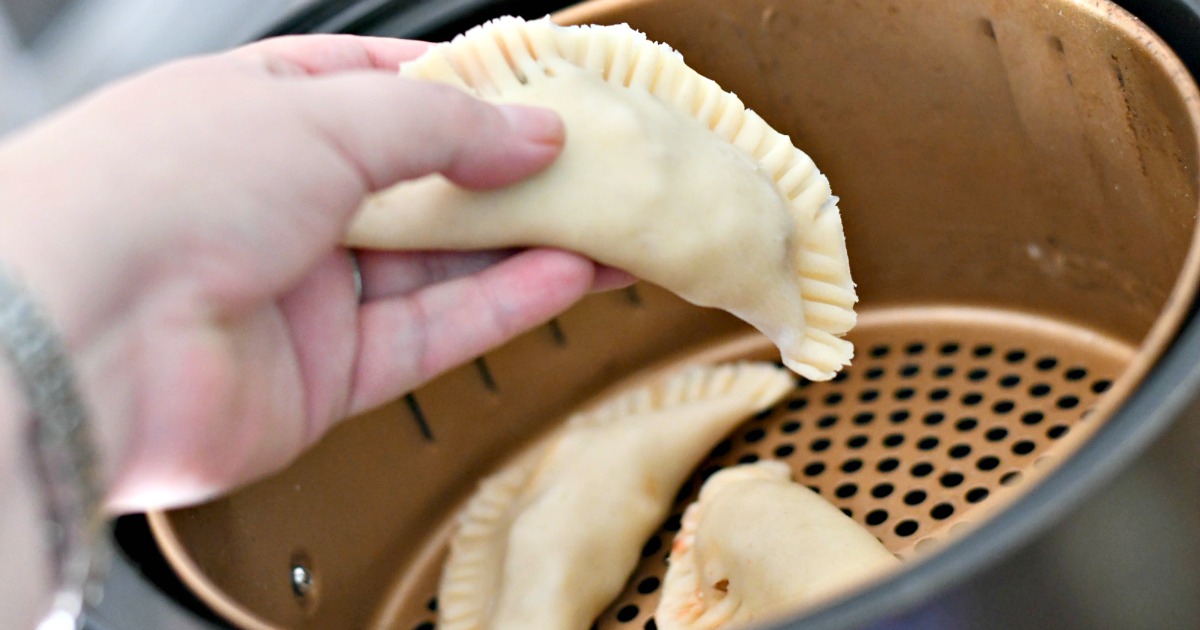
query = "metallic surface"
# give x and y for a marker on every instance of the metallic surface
(1014, 175)
(131, 601)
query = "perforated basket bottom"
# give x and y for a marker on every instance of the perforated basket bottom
(941, 410)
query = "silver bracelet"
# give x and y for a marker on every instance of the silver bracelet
(62, 447)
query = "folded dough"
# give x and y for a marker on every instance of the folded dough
(551, 539)
(664, 175)
(757, 545)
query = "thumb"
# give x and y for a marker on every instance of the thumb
(392, 129)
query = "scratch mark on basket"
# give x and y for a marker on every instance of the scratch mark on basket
(1131, 117)
(485, 374)
(986, 27)
(633, 296)
(419, 417)
(556, 331)
(1056, 43)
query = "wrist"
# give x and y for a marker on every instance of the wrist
(52, 265)
(26, 586)
(58, 441)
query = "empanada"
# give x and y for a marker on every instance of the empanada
(664, 175)
(551, 539)
(757, 545)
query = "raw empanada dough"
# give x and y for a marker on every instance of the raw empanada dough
(664, 175)
(757, 545)
(550, 540)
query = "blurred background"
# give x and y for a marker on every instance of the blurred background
(53, 51)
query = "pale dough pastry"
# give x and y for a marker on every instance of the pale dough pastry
(549, 541)
(664, 175)
(757, 545)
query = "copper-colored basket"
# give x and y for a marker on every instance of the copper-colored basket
(1019, 187)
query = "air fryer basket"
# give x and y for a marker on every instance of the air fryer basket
(1019, 189)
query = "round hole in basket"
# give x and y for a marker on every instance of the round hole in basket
(1018, 185)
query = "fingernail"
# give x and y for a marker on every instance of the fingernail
(535, 124)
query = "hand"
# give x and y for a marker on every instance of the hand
(182, 228)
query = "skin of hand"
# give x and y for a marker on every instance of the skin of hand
(182, 227)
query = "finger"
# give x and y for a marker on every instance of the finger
(393, 274)
(323, 54)
(394, 129)
(387, 274)
(405, 342)
(609, 278)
